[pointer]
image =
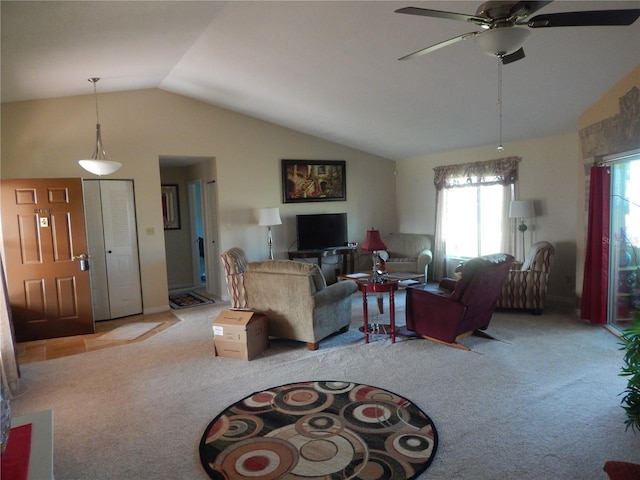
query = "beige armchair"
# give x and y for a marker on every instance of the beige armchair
(526, 287)
(297, 301)
(235, 264)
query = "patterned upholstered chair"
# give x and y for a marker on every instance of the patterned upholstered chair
(526, 287)
(235, 264)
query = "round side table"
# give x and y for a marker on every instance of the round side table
(367, 285)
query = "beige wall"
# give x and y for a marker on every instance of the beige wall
(546, 175)
(44, 138)
(177, 242)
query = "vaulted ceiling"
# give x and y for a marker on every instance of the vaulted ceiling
(329, 69)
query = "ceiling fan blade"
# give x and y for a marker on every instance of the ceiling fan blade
(424, 12)
(446, 43)
(513, 57)
(585, 19)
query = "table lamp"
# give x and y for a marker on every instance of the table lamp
(373, 243)
(269, 217)
(522, 209)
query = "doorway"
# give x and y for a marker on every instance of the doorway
(624, 248)
(191, 249)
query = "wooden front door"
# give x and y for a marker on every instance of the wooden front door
(44, 234)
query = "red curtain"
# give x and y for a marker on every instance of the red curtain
(596, 266)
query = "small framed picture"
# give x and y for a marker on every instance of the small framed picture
(170, 207)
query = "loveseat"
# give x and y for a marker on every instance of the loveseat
(407, 252)
(297, 301)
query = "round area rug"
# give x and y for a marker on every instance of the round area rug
(319, 430)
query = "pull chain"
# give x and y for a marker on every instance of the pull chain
(500, 147)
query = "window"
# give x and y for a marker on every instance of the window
(471, 213)
(472, 221)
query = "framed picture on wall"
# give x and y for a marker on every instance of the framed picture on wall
(170, 207)
(314, 181)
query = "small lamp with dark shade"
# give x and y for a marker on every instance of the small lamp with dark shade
(373, 243)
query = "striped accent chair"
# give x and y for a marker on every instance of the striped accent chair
(526, 287)
(235, 265)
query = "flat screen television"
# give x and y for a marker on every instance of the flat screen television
(321, 230)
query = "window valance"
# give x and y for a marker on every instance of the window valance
(502, 171)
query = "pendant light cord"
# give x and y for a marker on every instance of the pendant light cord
(500, 147)
(94, 80)
(99, 153)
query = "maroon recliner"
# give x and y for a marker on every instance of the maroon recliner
(457, 308)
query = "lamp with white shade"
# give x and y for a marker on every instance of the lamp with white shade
(269, 217)
(98, 163)
(522, 209)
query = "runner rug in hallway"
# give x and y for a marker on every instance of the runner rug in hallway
(320, 430)
(189, 299)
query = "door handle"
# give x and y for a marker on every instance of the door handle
(84, 261)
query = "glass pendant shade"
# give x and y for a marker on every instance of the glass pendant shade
(99, 167)
(502, 41)
(98, 163)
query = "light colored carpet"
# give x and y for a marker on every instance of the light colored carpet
(542, 402)
(129, 332)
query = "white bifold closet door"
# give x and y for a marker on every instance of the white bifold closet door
(113, 248)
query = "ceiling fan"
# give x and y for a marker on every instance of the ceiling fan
(502, 34)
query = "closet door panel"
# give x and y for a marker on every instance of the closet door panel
(121, 246)
(95, 241)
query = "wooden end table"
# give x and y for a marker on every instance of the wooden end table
(367, 285)
(398, 277)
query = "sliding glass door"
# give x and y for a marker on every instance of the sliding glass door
(624, 253)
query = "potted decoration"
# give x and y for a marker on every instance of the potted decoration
(631, 369)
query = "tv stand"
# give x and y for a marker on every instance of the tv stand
(347, 253)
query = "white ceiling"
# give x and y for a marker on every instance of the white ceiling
(329, 69)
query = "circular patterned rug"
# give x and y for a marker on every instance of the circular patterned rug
(319, 430)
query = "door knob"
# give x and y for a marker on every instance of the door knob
(84, 261)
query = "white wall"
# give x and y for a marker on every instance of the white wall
(44, 138)
(546, 175)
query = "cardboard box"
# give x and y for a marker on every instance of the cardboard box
(240, 334)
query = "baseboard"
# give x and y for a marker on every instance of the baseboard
(152, 310)
(564, 301)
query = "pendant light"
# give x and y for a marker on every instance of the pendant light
(98, 164)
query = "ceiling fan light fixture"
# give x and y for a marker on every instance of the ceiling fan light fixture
(98, 163)
(502, 41)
